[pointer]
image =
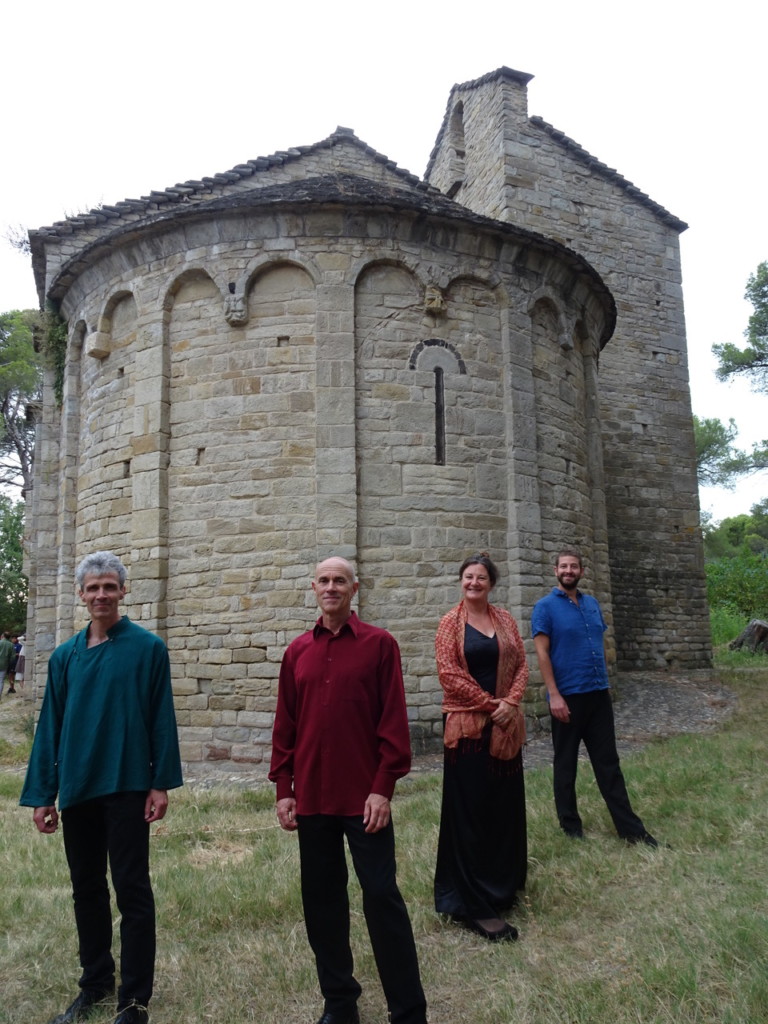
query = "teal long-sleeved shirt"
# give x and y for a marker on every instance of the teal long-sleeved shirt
(107, 724)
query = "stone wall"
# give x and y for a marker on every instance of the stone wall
(551, 185)
(349, 391)
(316, 353)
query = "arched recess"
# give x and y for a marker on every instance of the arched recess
(267, 262)
(241, 477)
(105, 425)
(237, 290)
(416, 517)
(561, 427)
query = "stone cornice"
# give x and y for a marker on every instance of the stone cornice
(329, 191)
(194, 192)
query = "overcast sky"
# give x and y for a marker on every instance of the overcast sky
(103, 102)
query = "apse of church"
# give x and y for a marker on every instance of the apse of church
(319, 353)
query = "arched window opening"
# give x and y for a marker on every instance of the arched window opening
(438, 356)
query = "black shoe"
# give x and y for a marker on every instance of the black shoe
(506, 934)
(575, 834)
(134, 1014)
(350, 1017)
(82, 1008)
(645, 838)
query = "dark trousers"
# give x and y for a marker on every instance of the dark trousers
(112, 827)
(592, 722)
(324, 879)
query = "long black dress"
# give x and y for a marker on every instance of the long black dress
(482, 852)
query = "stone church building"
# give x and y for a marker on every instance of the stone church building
(319, 353)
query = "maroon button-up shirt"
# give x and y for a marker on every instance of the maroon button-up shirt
(341, 726)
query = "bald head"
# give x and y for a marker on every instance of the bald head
(334, 586)
(335, 564)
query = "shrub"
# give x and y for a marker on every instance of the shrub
(739, 585)
(726, 624)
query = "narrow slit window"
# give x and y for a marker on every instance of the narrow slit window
(439, 417)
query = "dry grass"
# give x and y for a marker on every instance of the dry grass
(608, 934)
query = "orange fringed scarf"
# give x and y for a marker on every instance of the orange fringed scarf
(466, 704)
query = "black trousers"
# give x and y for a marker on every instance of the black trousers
(112, 828)
(592, 722)
(324, 879)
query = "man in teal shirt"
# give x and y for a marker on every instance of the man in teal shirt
(106, 744)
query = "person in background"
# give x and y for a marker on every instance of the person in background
(13, 663)
(568, 629)
(21, 663)
(106, 744)
(7, 654)
(482, 851)
(339, 745)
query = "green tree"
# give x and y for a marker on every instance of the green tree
(745, 534)
(13, 582)
(718, 462)
(20, 387)
(740, 584)
(752, 360)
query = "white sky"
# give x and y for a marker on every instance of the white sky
(103, 102)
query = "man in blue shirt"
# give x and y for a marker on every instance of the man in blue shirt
(568, 628)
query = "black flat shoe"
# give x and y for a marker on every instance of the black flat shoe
(646, 839)
(133, 1015)
(506, 934)
(351, 1017)
(82, 1008)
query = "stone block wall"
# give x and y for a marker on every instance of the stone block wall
(551, 185)
(306, 381)
(315, 353)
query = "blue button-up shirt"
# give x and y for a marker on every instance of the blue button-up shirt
(575, 634)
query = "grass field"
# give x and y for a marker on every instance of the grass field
(609, 934)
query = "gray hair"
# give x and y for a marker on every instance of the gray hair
(350, 569)
(99, 564)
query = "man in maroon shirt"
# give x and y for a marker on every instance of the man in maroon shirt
(340, 743)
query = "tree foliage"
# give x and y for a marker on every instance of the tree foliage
(737, 566)
(752, 360)
(17, 237)
(20, 388)
(718, 462)
(739, 584)
(13, 582)
(746, 534)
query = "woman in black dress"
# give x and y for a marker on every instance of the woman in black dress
(482, 850)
